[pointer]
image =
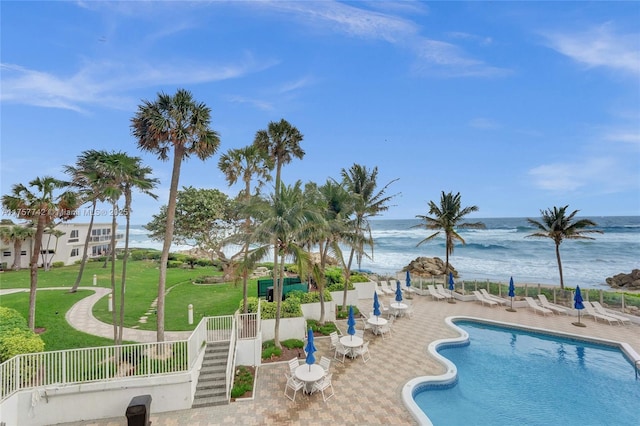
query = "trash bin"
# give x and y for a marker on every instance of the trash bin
(269, 294)
(138, 411)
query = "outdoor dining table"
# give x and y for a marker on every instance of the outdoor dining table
(309, 374)
(399, 308)
(352, 342)
(376, 322)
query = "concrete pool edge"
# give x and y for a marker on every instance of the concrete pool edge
(450, 376)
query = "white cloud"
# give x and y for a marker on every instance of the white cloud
(449, 60)
(593, 174)
(599, 47)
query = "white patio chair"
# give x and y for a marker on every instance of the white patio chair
(601, 310)
(341, 350)
(367, 326)
(322, 385)
(325, 363)
(293, 384)
(360, 333)
(293, 364)
(363, 351)
(334, 339)
(386, 329)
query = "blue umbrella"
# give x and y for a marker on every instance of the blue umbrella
(398, 292)
(408, 279)
(351, 322)
(512, 293)
(451, 287)
(376, 305)
(310, 349)
(577, 303)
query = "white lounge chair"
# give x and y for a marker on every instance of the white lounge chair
(385, 287)
(601, 310)
(555, 308)
(490, 296)
(480, 297)
(434, 293)
(590, 310)
(537, 308)
(440, 289)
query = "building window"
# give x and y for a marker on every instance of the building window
(6, 253)
(74, 234)
(75, 252)
(23, 253)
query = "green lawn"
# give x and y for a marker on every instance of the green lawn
(141, 291)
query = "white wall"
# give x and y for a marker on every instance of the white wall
(365, 290)
(312, 311)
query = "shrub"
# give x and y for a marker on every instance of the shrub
(175, 263)
(19, 341)
(325, 329)
(357, 277)
(58, 264)
(292, 343)
(334, 276)
(312, 297)
(204, 262)
(339, 287)
(242, 382)
(252, 305)
(10, 319)
(340, 314)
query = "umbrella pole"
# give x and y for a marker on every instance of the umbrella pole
(511, 308)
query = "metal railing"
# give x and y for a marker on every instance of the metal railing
(75, 366)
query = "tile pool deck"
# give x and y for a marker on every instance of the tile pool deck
(370, 394)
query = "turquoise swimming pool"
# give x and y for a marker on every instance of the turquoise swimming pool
(507, 376)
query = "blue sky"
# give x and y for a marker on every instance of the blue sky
(518, 106)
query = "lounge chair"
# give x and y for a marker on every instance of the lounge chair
(490, 296)
(591, 311)
(537, 308)
(385, 287)
(434, 293)
(555, 308)
(440, 289)
(601, 310)
(480, 297)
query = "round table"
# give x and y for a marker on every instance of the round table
(376, 322)
(399, 308)
(309, 374)
(351, 342)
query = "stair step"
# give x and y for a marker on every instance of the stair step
(210, 393)
(211, 382)
(208, 402)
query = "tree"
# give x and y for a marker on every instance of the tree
(557, 226)
(92, 185)
(17, 235)
(446, 218)
(51, 232)
(41, 207)
(369, 202)
(180, 123)
(204, 216)
(279, 143)
(246, 164)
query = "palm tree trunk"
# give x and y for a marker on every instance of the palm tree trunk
(125, 258)
(85, 250)
(347, 276)
(178, 153)
(113, 274)
(559, 266)
(17, 249)
(33, 273)
(276, 272)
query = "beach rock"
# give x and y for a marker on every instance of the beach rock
(428, 267)
(625, 281)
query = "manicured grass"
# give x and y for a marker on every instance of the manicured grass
(51, 307)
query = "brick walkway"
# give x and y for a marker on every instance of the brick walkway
(370, 394)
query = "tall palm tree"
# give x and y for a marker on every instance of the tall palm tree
(446, 218)
(279, 143)
(247, 164)
(557, 226)
(369, 202)
(180, 123)
(51, 232)
(91, 185)
(285, 219)
(40, 206)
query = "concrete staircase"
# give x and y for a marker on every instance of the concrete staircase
(212, 388)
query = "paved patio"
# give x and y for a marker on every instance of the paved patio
(370, 394)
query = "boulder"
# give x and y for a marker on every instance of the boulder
(428, 267)
(625, 281)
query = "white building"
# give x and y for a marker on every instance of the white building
(67, 248)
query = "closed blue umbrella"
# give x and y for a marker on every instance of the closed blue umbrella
(376, 305)
(351, 322)
(512, 294)
(577, 303)
(398, 292)
(310, 349)
(451, 287)
(407, 279)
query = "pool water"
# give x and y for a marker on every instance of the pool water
(513, 377)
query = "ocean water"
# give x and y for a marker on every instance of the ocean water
(499, 251)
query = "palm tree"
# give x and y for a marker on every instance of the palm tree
(279, 143)
(41, 207)
(51, 232)
(557, 226)
(91, 185)
(123, 174)
(369, 202)
(446, 218)
(17, 235)
(180, 123)
(246, 163)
